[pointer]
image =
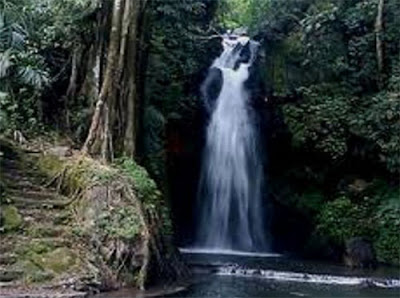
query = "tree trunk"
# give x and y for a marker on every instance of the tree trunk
(379, 41)
(72, 86)
(129, 147)
(115, 119)
(144, 32)
(99, 137)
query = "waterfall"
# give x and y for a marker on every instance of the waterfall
(231, 179)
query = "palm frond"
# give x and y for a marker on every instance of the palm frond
(34, 77)
(18, 36)
(5, 63)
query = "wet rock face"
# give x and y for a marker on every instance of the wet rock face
(211, 88)
(359, 254)
(245, 53)
(212, 85)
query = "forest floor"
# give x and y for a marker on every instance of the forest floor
(39, 254)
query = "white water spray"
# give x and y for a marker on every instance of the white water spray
(231, 182)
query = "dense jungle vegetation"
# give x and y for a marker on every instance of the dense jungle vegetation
(121, 81)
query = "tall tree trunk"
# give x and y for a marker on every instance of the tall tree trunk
(99, 138)
(144, 28)
(72, 86)
(114, 122)
(129, 147)
(379, 41)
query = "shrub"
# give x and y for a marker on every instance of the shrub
(341, 219)
(387, 244)
(320, 120)
(146, 190)
(146, 187)
(379, 123)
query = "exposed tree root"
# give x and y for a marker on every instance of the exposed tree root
(116, 224)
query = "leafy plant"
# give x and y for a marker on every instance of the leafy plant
(146, 187)
(320, 121)
(379, 122)
(341, 219)
(122, 222)
(146, 190)
(387, 244)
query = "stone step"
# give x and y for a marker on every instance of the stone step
(37, 203)
(10, 164)
(37, 215)
(28, 172)
(6, 285)
(39, 195)
(55, 241)
(7, 274)
(7, 258)
(45, 230)
(6, 244)
(21, 241)
(16, 177)
(25, 185)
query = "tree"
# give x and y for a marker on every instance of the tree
(118, 94)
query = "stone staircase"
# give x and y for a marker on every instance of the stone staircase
(34, 229)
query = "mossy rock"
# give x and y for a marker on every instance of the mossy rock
(40, 261)
(50, 164)
(35, 247)
(60, 260)
(11, 220)
(32, 272)
(45, 230)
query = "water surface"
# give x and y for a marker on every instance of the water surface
(254, 276)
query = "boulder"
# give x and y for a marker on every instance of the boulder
(359, 254)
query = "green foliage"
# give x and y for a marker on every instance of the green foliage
(23, 74)
(378, 121)
(341, 219)
(154, 141)
(146, 190)
(374, 214)
(178, 50)
(311, 201)
(320, 121)
(326, 50)
(145, 186)
(33, 33)
(122, 222)
(387, 244)
(235, 13)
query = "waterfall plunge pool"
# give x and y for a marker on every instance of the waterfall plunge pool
(216, 251)
(227, 275)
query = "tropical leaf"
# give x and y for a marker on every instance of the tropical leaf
(34, 77)
(5, 63)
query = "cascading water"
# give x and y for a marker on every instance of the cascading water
(231, 181)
